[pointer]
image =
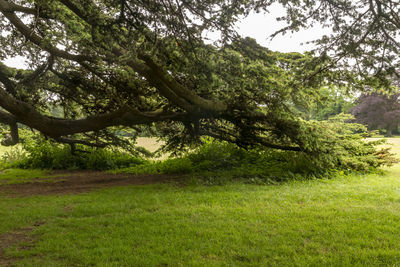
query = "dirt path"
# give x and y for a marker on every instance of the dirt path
(72, 182)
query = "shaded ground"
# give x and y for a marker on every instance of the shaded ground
(71, 182)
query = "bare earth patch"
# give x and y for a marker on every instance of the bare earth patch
(72, 182)
(19, 236)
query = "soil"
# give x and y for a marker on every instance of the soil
(15, 238)
(73, 182)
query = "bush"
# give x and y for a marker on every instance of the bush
(168, 166)
(14, 155)
(214, 155)
(330, 147)
(43, 154)
(217, 162)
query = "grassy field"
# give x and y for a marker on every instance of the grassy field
(19, 176)
(348, 221)
(151, 144)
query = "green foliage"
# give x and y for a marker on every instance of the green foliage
(331, 102)
(108, 65)
(337, 145)
(330, 147)
(44, 154)
(334, 147)
(10, 156)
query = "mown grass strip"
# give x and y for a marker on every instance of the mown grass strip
(20, 176)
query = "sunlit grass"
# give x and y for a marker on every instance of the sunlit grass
(150, 143)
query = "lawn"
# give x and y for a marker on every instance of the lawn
(348, 221)
(151, 144)
(19, 176)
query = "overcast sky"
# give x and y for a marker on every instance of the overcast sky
(261, 26)
(258, 26)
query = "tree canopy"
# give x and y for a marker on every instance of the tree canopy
(123, 63)
(378, 111)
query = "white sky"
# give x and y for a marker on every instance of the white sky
(261, 26)
(258, 26)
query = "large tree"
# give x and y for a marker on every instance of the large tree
(116, 63)
(378, 111)
(364, 34)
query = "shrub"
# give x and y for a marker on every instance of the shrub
(214, 155)
(168, 166)
(217, 162)
(14, 155)
(43, 154)
(334, 147)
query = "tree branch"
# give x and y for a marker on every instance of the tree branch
(71, 141)
(34, 38)
(55, 127)
(158, 77)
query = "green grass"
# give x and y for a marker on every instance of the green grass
(19, 176)
(348, 221)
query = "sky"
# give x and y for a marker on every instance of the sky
(259, 26)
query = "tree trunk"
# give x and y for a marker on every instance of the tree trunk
(389, 130)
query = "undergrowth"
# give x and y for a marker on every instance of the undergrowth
(214, 162)
(218, 162)
(38, 153)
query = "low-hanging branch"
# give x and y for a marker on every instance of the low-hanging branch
(145, 65)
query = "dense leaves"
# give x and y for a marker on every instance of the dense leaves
(106, 65)
(333, 101)
(364, 34)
